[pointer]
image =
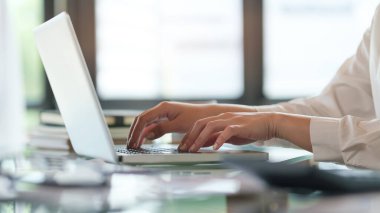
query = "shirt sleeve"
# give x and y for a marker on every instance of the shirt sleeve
(358, 141)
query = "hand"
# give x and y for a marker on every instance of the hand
(169, 117)
(236, 128)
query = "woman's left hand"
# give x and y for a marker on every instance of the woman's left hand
(232, 127)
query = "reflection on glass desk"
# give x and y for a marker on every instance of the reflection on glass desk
(196, 188)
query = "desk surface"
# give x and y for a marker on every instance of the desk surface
(205, 188)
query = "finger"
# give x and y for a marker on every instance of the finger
(210, 128)
(135, 122)
(194, 132)
(226, 135)
(180, 146)
(142, 120)
(146, 131)
(197, 128)
(132, 130)
(132, 127)
(155, 130)
(211, 140)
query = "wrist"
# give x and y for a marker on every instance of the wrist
(277, 123)
(293, 128)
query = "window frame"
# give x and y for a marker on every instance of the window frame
(82, 14)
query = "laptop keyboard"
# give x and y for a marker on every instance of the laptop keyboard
(152, 150)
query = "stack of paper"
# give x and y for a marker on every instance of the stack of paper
(52, 134)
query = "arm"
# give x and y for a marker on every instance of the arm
(352, 140)
(352, 132)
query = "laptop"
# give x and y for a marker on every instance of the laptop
(79, 105)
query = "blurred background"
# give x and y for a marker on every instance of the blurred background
(140, 52)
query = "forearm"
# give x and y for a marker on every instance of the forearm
(293, 128)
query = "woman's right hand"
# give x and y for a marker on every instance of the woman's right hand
(168, 117)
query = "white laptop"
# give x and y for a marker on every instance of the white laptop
(78, 103)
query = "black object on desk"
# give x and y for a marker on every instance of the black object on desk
(309, 177)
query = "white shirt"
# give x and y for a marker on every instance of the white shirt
(345, 126)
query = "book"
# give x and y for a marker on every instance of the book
(116, 132)
(51, 142)
(52, 134)
(113, 118)
(57, 138)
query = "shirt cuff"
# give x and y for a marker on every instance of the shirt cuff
(324, 136)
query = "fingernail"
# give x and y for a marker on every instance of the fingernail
(150, 136)
(215, 146)
(183, 147)
(192, 148)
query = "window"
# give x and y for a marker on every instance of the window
(305, 42)
(249, 52)
(169, 49)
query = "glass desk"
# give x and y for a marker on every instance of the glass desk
(197, 188)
